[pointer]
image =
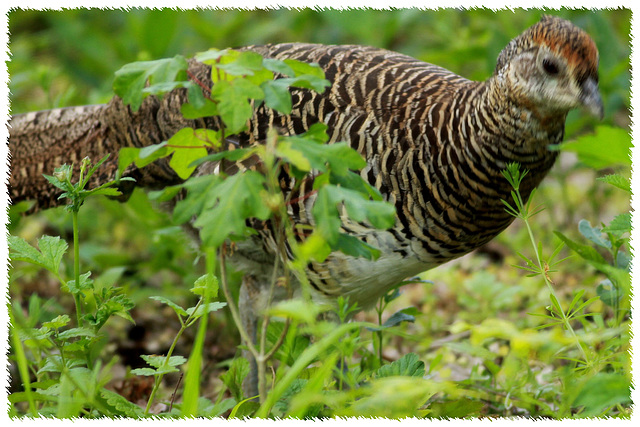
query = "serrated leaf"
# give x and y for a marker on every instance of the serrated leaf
(206, 284)
(145, 372)
(608, 146)
(224, 217)
(120, 404)
(77, 332)
(234, 377)
(619, 225)
(58, 322)
(618, 181)
(408, 365)
(85, 283)
(52, 249)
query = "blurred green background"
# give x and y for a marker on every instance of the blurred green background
(64, 58)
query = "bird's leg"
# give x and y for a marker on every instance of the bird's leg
(247, 306)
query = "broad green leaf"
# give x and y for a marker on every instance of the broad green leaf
(192, 111)
(158, 361)
(408, 365)
(77, 332)
(277, 96)
(187, 145)
(223, 216)
(594, 234)
(301, 68)
(49, 256)
(351, 245)
(278, 66)
(295, 157)
(601, 391)
(211, 56)
(608, 146)
(608, 293)
(231, 155)
(130, 80)
(198, 189)
(233, 104)
(141, 156)
(206, 284)
(147, 372)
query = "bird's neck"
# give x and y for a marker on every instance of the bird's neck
(511, 130)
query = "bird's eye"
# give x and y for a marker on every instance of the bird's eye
(550, 67)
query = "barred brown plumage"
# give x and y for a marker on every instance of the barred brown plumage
(435, 145)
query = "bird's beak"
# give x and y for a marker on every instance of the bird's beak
(591, 99)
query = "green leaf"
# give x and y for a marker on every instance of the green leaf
(130, 80)
(234, 106)
(602, 391)
(49, 256)
(77, 332)
(303, 68)
(225, 217)
(160, 361)
(58, 322)
(205, 308)
(234, 377)
(619, 225)
(179, 310)
(408, 365)
(594, 234)
(206, 286)
(609, 146)
(187, 146)
(277, 95)
(207, 109)
(198, 189)
(586, 252)
(351, 245)
(618, 181)
(85, 284)
(141, 156)
(120, 405)
(608, 293)
(278, 66)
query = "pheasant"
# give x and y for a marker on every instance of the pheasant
(435, 145)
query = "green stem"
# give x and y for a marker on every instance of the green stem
(76, 267)
(565, 320)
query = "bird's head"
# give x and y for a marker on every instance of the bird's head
(552, 68)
